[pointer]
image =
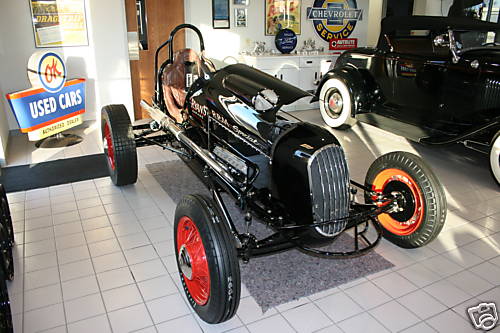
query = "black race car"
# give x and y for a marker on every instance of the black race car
(227, 126)
(433, 80)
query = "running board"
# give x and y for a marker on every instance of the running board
(406, 130)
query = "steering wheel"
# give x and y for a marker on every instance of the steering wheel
(491, 44)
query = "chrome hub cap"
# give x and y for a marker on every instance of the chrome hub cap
(185, 262)
(335, 104)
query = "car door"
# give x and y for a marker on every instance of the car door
(418, 81)
(461, 90)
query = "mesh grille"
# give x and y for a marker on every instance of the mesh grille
(329, 184)
(491, 95)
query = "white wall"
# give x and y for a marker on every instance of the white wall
(221, 43)
(104, 62)
(376, 12)
(432, 7)
(4, 132)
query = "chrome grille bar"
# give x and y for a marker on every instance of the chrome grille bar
(491, 95)
(329, 188)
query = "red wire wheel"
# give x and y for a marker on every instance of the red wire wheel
(207, 259)
(421, 198)
(119, 144)
(193, 261)
(108, 147)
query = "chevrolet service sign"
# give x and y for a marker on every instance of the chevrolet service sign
(53, 104)
(334, 19)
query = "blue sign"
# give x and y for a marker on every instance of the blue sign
(37, 108)
(334, 19)
(286, 40)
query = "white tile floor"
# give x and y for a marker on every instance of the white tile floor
(20, 151)
(91, 257)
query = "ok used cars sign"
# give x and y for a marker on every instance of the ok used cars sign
(53, 104)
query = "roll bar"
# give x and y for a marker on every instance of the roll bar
(158, 98)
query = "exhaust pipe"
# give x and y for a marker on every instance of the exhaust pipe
(167, 123)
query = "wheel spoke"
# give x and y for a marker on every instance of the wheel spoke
(188, 237)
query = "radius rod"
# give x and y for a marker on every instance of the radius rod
(167, 123)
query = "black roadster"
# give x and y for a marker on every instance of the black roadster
(433, 80)
(227, 126)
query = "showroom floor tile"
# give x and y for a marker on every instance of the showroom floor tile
(20, 151)
(91, 257)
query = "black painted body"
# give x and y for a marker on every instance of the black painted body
(280, 148)
(413, 81)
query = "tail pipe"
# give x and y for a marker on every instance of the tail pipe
(167, 123)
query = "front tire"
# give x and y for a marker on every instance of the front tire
(424, 210)
(495, 157)
(119, 144)
(207, 260)
(335, 104)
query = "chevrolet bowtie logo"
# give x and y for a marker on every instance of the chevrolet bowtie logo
(335, 14)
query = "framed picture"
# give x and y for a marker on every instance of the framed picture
(220, 14)
(59, 23)
(240, 2)
(282, 14)
(240, 17)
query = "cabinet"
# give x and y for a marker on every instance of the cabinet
(303, 71)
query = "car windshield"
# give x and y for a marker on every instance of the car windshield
(477, 39)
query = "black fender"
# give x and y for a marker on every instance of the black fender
(361, 87)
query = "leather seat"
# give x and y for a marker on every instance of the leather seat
(175, 80)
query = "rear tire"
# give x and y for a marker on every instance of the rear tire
(5, 217)
(119, 144)
(5, 311)
(424, 211)
(335, 104)
(6, 258)
(495, 157)
(207, 260)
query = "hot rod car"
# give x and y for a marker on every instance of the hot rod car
(433, 80)
(227, 126)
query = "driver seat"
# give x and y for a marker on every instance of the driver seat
(177, 78)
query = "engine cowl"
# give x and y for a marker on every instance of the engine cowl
(310, 178)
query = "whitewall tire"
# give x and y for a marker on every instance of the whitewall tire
(335, 104)
(495, 158)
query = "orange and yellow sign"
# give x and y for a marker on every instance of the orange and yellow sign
(282, 14)
(59, 22)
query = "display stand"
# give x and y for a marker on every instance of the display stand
(59, 140)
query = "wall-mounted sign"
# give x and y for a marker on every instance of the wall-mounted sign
(59, 22)
(220, 14)
(286, 41)
(53, 104)
(282, 14)
(343, 44)
(334, 19)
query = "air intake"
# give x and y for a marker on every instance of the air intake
(329, 184)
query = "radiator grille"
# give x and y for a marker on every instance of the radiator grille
(490, 98)
(329, 184)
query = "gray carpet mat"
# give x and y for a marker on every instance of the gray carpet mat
(283, 277)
